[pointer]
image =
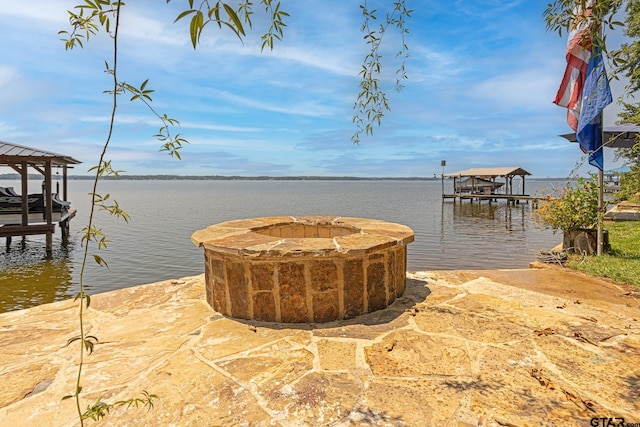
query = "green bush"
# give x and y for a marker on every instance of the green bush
(575, 207)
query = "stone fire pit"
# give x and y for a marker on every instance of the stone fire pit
(303, 269)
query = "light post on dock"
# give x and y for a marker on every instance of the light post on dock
(443, 163)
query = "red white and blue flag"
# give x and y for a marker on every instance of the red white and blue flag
(596, 95)
(578, 54)
(584, 90)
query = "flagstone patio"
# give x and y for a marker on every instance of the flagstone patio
(459, 348)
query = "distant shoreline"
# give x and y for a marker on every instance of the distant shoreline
(12, 176)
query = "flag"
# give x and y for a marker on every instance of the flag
(596, 95)
(584, 90)
(578, 53)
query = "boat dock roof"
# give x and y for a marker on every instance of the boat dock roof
(490, 172)
(20, 159)
(11, 154)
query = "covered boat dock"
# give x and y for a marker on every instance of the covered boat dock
(490, 184)
(35, 214)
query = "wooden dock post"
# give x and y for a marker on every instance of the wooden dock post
(48, 204)
(480, 184)
(20, 159)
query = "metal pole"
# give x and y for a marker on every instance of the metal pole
(600, 242)
(443, 163)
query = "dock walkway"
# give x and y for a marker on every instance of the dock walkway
(510, 198)
(482, 184)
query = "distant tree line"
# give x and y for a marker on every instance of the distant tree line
(12, 176)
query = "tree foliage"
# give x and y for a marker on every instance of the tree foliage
(601, 16)
(630, 50)
(624, 61)
(575, 207)
(371, 102)
(86, 20)
(630, 181)
(233, 17)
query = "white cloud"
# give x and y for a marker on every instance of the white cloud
(156, 25)
(7, 74)
(310, 109)
(432, 67)
(41, 10)
(8, 131)
(519, 89)
(333, 61)
(485, 8)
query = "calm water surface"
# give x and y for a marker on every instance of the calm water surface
(155, 245)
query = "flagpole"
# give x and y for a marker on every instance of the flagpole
(600, 242)
(593, 94)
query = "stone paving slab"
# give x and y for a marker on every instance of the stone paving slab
(536, 347)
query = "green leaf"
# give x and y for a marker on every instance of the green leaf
(88, 345)
(72, 340)
(183, 14)
(197, 23)
(215, 12)
(234, 18)
(98, 259)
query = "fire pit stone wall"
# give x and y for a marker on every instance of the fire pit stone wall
(307, 269)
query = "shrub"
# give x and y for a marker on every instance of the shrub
(575, 207)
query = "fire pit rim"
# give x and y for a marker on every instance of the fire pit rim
(245, 237)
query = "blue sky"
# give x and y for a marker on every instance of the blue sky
(482, 77)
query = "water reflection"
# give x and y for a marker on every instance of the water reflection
(29, 276)
(511, 217)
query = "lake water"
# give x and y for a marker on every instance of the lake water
(155, 245)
